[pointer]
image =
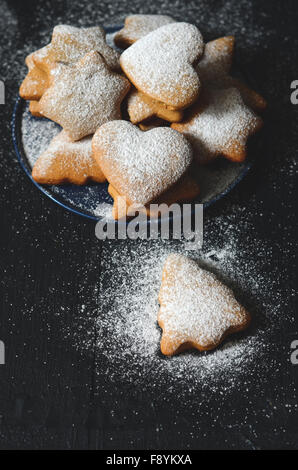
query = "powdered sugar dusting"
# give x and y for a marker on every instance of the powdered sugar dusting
(141, 165)
(67, 161)
(62, 144)
(104, 210)
(219, 126)
(137, 108)
(160, 64)
(216, 61)
(128, 335)
(137, 26)
(195, 306)
(36, 135)
(69, 44)
(84, 96)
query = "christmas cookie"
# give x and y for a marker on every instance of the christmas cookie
(65, 161)
(35, 82)
(140, 108)
(140, 165)
(219, 124)
(214, 70)
(161, 64)
(137, 26)
(69, 44)
(84, 96)
(196, 309)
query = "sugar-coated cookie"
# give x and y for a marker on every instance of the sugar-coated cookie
(185, 190)
(196, 309)
(140, 108)
(161, 64)
(65, 161)
(214, 70)
(140, 165)
(137, 26)
(35, 83)
(69, 44)
(219, 124)
(84, 96)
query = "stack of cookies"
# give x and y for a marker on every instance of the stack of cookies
(141, 120)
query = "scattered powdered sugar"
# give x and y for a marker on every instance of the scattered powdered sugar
(195, 306)
(160, 64)
(104, 210)
(141, 166)
(128, 336)
(36, 135)
(221, 126)
(137, 26)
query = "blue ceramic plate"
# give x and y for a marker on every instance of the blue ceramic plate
(32, 135)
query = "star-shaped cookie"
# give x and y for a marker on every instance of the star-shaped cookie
(196, 309)
(214, 70)
(35, 83)
(84, 96)
(69, 44)
(141, 108)
(137, 26)
(65, 161)
(219, 124)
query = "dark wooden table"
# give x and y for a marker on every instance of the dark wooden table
(55, 395)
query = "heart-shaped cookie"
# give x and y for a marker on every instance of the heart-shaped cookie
(161, 64)
(185, 190)
(140, 165)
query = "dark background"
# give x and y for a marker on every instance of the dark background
(55, 396)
